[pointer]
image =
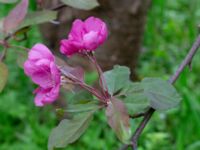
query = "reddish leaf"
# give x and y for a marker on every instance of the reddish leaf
(118, 119)
(16, 16)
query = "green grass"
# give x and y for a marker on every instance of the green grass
(170, 31)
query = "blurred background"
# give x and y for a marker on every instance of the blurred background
(166, 31)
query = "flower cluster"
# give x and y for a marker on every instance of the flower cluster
(84, 36)
(41, 67)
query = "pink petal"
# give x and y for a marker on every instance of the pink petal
(68, 47)
(39, 97)
(43, 79)
(46, 96)
(93, 24)
(55, 73)
(91, 40)
(103, 34)
(77, 30)
(29, 67)
(39, 51)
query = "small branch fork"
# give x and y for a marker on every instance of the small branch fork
(147, 116)
(5, 40)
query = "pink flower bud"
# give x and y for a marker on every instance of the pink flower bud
(41, 68)
(84, 36)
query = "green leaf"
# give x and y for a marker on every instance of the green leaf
(78, 97)
(8, 1)
(117, 78)
(38, 17)
(80, 108)
(134, 98)
(68, 131)
(161, 94)
(118, 119)
(3, 75)
(73, 109)
(82, 4)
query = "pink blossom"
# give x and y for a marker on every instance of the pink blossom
(84, 36)
(41, 68)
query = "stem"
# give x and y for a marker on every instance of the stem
(5, 49)
(91, 90)
(85, 86)
(21, 47)
(102, 80)
(3, 55)
(59, 6)
(187, 61)
(137, 115)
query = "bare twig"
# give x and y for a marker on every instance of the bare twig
(137, 115)
(59, 6)
(187, 61)
(3, 54)
(5, 49)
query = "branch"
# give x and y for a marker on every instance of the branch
(187, 61)
(137, 115)
(59, 6)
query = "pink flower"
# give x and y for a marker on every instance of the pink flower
(41, 68)
(84, 36)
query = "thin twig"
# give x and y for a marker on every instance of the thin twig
(137, 115)
(3, 54)
(102, 81)
(172, 80)
(20, 47)
(187, 60)
(59, 6)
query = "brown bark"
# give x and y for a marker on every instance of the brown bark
(126, 21)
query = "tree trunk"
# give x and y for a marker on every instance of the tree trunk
(126, 21)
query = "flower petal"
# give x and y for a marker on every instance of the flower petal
(39, 51)
(91, 40)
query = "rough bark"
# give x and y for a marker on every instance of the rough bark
(126, 21)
